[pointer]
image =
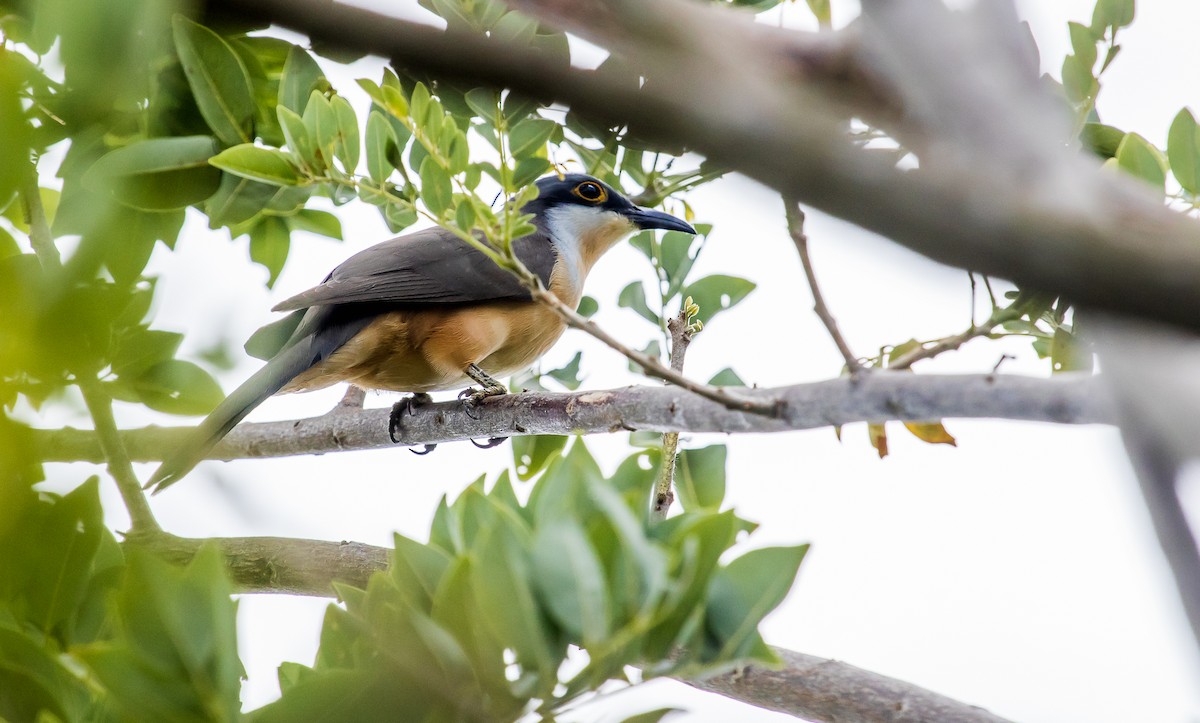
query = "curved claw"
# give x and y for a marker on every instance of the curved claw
(492, 442)
(407, 405)
(428, 448)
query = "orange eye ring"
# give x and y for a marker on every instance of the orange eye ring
(591, 192)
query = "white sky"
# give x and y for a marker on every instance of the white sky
(1017, 571)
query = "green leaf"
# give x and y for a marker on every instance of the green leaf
(14, 128)
(654, 716)
(8, 244)
(347, 148)
(570, 581)
(218, 80)
(157, 174)
(1183, 150)
(268, 340)
(301, 76)
(515, 28)
(587, 306)
(1068, 354)
(727, 377)
(418, 105)
(1111, 13)
(379, 137)
(1083, 43)
(175, 657)
(568, 375)
(321, 122)
(820, 10)
(530, 136)
(529, 170)
(321, 223)
(533, 452)
(1103, 140)
(1140, 158)
(436, 190)
(633, 296)
(700, 478)
(36, 684)
(484, 102)
(717, 293)
(1079, 83)
(270, 242)
(742, 594)
(503, 573)
(298, 141)
(259, 164)
(178, 387)
(142, 348)
(653, 350)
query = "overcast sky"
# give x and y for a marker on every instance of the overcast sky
(1017, 571)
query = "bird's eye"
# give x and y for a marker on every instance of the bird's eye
(590, 191)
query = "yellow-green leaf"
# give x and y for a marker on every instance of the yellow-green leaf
(218, 79)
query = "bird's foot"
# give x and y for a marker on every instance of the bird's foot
(491, 442)
(471, 397)
(407, 405)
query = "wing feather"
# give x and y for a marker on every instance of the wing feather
(427, 267)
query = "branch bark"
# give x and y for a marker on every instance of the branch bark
(820, 689)
(795, 223)
(807, 686)
(877, 397)
(999, 193)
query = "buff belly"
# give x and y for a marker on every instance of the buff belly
(427, 351)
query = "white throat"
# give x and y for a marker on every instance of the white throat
(567, 226)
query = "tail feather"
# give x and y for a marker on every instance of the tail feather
(265, 382)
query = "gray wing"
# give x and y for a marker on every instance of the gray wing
(427, 267)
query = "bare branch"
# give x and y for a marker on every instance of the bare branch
(664, 493)
(1156, 414)
(809, 687)
(929, 350)
(878, 397)
(652, 367)
(277, 564)
(111, 445)
(98, 403)
(819, 689)
(795, 224)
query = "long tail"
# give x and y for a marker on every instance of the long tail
(266, 381)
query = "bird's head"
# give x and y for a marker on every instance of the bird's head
(588, 216)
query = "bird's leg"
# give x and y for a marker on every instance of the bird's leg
(490, 387)
(407, 405)
(472, 397)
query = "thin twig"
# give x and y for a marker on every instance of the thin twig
(40, 237)
(664, 493)
(950, 343)
(99, 406)
(653, 367)
(795, 224)
(98, 403)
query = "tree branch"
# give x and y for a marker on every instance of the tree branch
(652, 367)
(795, 224)
(808, 687)
(664, 493)
(819, 689)
(1000, 193)
(882, 396)
(276, 564)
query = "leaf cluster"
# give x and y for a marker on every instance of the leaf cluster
(477, 624)
(91, 633)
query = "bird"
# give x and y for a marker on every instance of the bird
(427, 311)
